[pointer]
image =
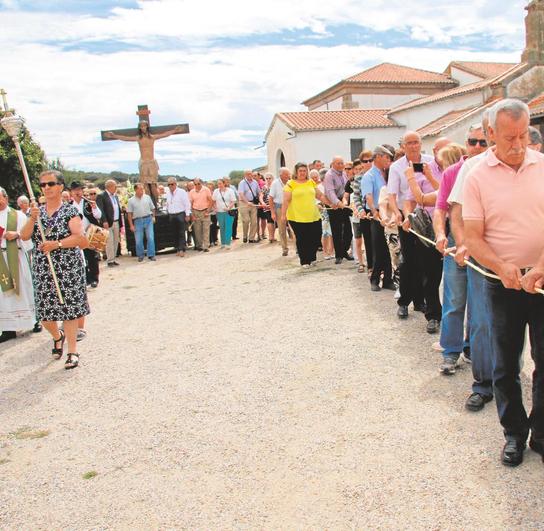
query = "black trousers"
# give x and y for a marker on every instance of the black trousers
(341, 231)
(214, 227)
(178, 227)
(308, 237)
(430, 264)
(91, 265)
(382, 258)
(410, 275)
(235, 224)
(510, 312)
(367, 238)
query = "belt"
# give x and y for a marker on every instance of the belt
(176, 213)
(142, 217)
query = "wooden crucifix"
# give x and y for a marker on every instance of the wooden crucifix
(146, 135)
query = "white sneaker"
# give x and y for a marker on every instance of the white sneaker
(306, 266)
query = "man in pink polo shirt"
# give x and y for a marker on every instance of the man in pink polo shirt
(503, 211)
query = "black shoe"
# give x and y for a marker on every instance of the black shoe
(235, 238)
(244, 240)
(537, 446)
(6, 336)
(94, 284)
(374, 286)
(205, 250)
(152, 258)
(389, 285)
(476, 401)
(37, 327)
(349, 258)
(420, 308)
(112, 264)
(338, 261)
(402, 312)
(433, 326)
(512, 453)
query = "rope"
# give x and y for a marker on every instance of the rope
(466, 261)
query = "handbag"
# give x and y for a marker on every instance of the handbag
(423, 224)
(230, 212)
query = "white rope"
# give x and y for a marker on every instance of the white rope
(467, 262)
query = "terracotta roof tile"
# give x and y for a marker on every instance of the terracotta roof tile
(437, 126)
(484, 70)
(536, 106)
(346, 119)
(392, 73)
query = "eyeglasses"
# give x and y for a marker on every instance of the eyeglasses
(91, 193)
(474, 141)
(171, 184)
(49, 183)
(348, 167)
(366, 161)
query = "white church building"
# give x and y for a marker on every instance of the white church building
(380, 104)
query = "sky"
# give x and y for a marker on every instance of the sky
(74, 68)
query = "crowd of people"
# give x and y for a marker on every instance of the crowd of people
(465, 217)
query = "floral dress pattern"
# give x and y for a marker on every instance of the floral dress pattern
(69, 267)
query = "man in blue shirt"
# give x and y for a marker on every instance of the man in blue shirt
(371, 184)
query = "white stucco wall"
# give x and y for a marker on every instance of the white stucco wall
(323, 145)
(419, 116)
(463, 77)
(372, 101)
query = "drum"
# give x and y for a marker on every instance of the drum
(97, 238)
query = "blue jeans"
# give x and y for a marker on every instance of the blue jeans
(481, 346)
(225, 227)
(452, 335)
(142, 225)
(511, 312)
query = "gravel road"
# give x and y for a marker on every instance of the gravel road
(231, 390)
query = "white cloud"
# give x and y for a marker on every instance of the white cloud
(227, 95)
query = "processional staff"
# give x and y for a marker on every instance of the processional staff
(13, 125)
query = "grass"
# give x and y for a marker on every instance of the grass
(90, 475)
(28, 433)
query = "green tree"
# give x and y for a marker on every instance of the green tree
(236, 176)
(11, 175)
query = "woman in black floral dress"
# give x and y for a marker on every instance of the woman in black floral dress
(64, 239)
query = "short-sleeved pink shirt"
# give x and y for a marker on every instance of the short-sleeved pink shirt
(511, 204)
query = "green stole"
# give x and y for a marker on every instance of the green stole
(9, 272)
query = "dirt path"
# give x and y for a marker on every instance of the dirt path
(235, 391)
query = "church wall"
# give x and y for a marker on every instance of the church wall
(456, 133)
(279, 138)
(419, 116)
(371, 101)
(527, 85)
(324, 145)
(463, 77)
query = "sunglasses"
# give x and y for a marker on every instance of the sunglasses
(49, 183)
(366, 161)
(348, 168)
(91, 193)
(474, 141)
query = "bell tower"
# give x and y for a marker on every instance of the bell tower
(534, 33)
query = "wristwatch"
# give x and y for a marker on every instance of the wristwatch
(59, 243)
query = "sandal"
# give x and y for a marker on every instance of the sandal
(57, 352)
(361, 268)
(72, 361)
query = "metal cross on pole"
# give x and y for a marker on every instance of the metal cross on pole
(13, 125)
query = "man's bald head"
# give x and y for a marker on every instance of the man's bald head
(337, 163)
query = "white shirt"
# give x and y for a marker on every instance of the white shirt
(115, 203)
(178, 202)
(276, 192)
(229, 197)
(456, 194)
(97, 213)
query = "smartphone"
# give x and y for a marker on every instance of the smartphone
(418, 167)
